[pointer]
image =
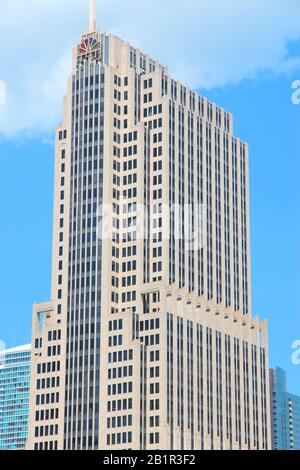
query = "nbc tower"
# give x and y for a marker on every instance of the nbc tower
(148, 341)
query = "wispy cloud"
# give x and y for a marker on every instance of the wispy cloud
(204, 43)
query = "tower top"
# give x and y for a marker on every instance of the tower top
(92, 16)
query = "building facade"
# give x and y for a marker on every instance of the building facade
(285, 413)
(148, 341)
(14, 397)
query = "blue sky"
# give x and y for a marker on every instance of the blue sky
(246, 61)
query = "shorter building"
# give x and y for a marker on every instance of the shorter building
(285, 413)
(14, 397)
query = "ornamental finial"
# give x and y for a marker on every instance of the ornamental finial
(92, 16)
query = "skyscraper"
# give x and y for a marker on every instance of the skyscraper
(14, 397)
(148, 341)
(285, 413)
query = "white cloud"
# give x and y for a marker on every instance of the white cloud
(205, 43)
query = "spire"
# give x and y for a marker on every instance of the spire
(92, 16)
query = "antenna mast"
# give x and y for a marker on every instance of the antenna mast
(92, 16)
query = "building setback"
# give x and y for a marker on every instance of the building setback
(14, 397)
(285, 413)
(148, 341)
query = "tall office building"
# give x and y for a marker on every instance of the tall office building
(285, 413)
(14, 397)
(148, 341)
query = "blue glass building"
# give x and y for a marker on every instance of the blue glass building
(285, 413)
(14, 397)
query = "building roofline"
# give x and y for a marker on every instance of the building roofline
(26, 347)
